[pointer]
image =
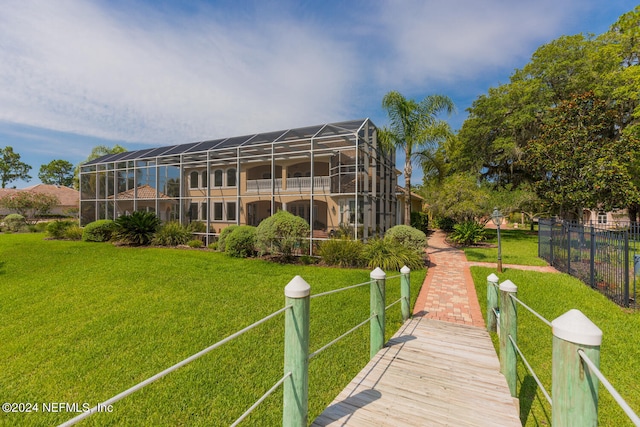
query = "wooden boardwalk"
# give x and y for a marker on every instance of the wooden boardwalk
(431, 373)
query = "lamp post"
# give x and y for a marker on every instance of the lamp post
(497, 218)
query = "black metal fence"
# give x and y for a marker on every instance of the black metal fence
(602, 258)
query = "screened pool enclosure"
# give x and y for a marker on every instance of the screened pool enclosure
(333, 175)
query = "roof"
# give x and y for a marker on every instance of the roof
(66, 196)
(308, 132)
(144, 192)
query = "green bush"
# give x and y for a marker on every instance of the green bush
(137, 229)
(223, 236)
(444, 223)
(99, 231)
(409, 237)
(171, 234)
(420, 220)
(195, 243)
(56, 229)
(468, 233)
(213, 246)
(197, 227)
(342, 252)
(73, 232)
(391, 255)
(241, 242)
(15, 222)
(308, 260)
(281, 233)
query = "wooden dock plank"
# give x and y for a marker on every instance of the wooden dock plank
(430, 373)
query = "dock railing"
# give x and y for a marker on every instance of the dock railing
(296, 345)
(575, 360)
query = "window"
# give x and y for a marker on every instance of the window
(193, 180)
(231, 211)
(193, 211)
(203, 211)
(602, 217)
(203, 184)
(217, 178)
(217, 211)
(231, 178)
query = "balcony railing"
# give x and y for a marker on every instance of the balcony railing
(320, 184)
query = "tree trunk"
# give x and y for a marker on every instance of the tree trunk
(407, 198)
(632, 211)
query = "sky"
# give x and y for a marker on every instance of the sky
(75, 74)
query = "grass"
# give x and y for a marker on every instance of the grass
(553, 295)
(81, 322)
(517, 247)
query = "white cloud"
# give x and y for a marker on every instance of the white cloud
(441, 42)
(151, 77)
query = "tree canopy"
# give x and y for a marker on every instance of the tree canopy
(11, 168)
(57, 172)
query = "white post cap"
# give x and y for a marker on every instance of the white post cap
(492, 278)
(508, 286)
(297, 288)
(405, 270)
(575, 327)
(378, 274)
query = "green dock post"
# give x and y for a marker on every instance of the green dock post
(296, 354)
(377, 309)
(508, 327)
(492, 302)
(573, 386)
(405, 293)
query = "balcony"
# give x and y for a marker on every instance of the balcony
(302, 184)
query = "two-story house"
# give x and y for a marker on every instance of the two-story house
(333, 175)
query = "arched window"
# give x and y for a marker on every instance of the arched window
(193, 180)
(217, 178)
(231, 177)
(203, 184)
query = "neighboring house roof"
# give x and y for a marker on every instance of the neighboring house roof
(400, 191)
(67, 196)
(144, 192)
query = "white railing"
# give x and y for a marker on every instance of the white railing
(320, 183)
(264, 185)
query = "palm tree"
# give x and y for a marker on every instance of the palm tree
(414, 126)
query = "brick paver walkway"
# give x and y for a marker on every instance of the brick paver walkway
(448, 292)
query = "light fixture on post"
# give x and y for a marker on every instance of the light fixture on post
(497, 218)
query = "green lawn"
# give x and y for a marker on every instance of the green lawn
(553, 295)
(518, 247)
(81, 322)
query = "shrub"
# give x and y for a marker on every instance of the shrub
(213, 246)
(171, 234)
(73, 232)
(195, 243)
(56, 229)
(467, 233)
(15, 222)
(420, 220)
(308, 260)
(137, 229)
(223, 236)
(444, 223)
(241, 242)
(391, 255)
(409, 237)
(281, 233)
(99, 231)
(342, 252)
(197, 227)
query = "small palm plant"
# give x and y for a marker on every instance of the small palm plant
(137, 229)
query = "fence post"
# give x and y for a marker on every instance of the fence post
(405, 293)
(508, 327)
(568, 249)
(626, 269)
(296, 354)
(492, 302)
(592, 258)
(573, 386)
(377, 309)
